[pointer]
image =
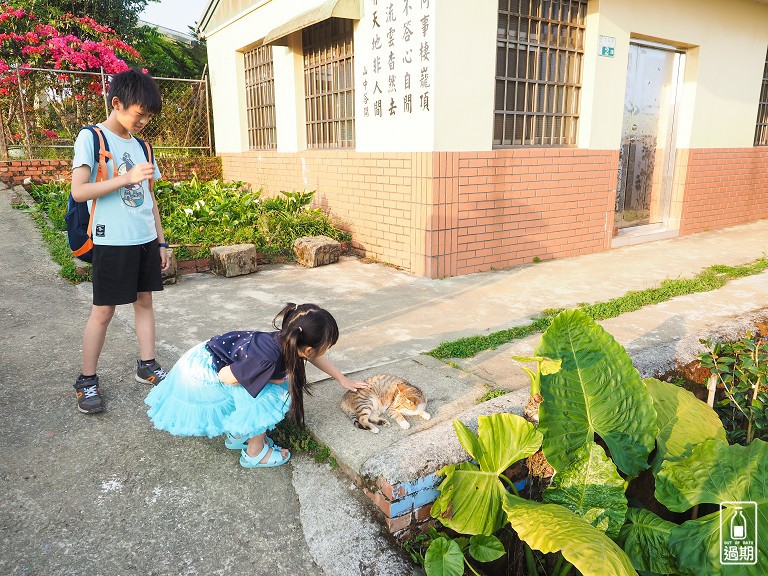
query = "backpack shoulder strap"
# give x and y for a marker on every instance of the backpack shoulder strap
(149, 152)
(101, 152)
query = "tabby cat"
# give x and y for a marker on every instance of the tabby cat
(384, 392)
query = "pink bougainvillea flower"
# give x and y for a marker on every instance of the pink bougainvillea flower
(90, 46)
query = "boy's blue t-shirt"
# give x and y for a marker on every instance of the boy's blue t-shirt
(123, 217)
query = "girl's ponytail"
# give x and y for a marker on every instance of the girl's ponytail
(303, 325)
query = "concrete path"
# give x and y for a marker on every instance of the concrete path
(109, 494)
(389, 318)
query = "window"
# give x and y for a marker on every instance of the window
(761, 133)
(539, 54)
(329, 84)
(260, 98)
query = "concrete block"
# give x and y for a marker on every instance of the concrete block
(235, 260)
(313, 251)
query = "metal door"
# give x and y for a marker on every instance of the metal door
(646, 157)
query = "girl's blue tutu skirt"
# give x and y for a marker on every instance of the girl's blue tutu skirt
(192, 401)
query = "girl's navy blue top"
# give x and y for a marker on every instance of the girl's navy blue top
(254, 357)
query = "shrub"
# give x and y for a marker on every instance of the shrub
(199, 215)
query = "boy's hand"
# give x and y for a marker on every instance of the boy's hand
(165, 262)
(141, 172)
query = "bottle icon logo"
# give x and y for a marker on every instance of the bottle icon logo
(738, 525)
(738, 533)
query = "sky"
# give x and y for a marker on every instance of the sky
(174, 14)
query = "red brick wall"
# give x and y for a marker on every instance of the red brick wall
(175, 169)
(446, 214)
(723, 187)
(370, 194)
(16, 171)
(514, 205)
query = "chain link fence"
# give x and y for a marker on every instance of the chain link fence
(42, 111)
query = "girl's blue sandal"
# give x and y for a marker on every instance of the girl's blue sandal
(238, 443)
(275, 458)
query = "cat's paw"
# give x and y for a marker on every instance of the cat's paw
(425, 415)
(374, 429)
(404, 425)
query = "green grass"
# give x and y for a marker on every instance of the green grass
(290, 436)
(709, 279)
(57, 247)
(492, 393)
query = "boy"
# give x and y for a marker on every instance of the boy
(129, 249)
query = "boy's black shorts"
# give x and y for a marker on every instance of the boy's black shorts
(121, 272)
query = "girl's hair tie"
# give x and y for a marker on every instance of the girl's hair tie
(295, 307)
(300, 330)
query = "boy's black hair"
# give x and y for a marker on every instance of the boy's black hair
(134, 87)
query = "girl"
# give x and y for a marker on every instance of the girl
(242, 383)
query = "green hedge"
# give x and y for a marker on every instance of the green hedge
(197, 216)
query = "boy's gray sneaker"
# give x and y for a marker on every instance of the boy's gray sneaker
(149, 374)
(89, 400)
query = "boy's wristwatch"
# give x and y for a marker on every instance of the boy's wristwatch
(163, 244)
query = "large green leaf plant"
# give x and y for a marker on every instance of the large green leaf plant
(471, 494)
(600, 425)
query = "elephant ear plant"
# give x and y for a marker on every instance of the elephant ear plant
(596, 391)
(471, 494)
(599, 425)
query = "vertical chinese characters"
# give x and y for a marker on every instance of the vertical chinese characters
(398, 69)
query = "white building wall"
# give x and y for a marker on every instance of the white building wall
(452, 61)
(726, 45)
(465, 74)
(395, 56)
(290, 112)
(226, 45)
(453, 109)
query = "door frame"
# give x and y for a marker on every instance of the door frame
(668, 168)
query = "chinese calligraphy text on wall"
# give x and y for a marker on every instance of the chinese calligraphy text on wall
(397, 62)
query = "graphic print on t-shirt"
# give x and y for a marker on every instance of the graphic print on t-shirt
(133, 194)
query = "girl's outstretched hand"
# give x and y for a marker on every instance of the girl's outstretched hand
(327, 366)
(353, 385)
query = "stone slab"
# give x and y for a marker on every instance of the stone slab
(234, 260)
(449, 392)
(313, 251)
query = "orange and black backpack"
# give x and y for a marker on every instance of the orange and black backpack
(79, 220)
